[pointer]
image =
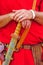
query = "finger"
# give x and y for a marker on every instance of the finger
(14, 11)
(23, 18)
(23, 24)
(28, 23)
(18, 16)
(17, 12)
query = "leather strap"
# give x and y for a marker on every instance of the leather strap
(36, 51)
(26, 46)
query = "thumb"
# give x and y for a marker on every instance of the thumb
(14, 11)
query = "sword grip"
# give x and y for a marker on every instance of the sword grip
(18, 28)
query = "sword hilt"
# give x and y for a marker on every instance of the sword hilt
(15, 35)
(18, 28)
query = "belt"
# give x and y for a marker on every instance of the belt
(27, 46)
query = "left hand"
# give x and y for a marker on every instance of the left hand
(23, 14)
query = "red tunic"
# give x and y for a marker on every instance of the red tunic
(35, 35)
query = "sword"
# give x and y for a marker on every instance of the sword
(12, 45)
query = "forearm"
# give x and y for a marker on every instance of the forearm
(5, 19)
(39, 17)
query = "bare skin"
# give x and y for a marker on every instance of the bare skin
(24, 16)
(5, 19)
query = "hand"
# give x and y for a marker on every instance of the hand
(23, 14)
(11, 14)
(26, 23)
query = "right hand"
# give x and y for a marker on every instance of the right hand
(26, 23)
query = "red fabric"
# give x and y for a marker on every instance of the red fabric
(41, 9)
(34, 36)
(23, 57)
(6, 7)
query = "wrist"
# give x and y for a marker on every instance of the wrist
(33, 14)
(11, 15)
